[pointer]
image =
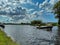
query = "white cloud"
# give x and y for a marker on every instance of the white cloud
(4, 18)
(40, 12)
(26, 2)
(53, 1)
(43, 4)
(29, 10)
(13, 4)
(34, 12)
(22, 1)
(47, 6)
(37, 4)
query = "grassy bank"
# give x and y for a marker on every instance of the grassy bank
(4, 40)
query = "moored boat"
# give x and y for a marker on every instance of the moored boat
(2, 26)
(43, 27)
(48, 28)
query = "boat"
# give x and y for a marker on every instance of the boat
(49, 28)
(3, 26)
(43, 27)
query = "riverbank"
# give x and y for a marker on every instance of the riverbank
(5, 40)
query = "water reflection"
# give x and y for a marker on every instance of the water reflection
(30, 35)
(58, 36)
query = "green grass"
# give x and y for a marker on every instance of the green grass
(5, 40)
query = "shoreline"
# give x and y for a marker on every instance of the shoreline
(5, 39)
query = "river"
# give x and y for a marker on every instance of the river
(30, 35)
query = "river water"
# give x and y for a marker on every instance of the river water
(30, 35)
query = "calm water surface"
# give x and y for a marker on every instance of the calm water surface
(30, 35)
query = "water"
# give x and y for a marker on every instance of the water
(30, 35)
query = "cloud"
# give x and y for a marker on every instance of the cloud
(5, 19)
(53, 1)
(20, 10)
(41, 12)
(43, 4)
(47, 6)
(30, 10)
(37, 4)
(13, 11)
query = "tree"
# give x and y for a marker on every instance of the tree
(36, 22)
(56, 9)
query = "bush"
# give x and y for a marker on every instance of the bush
(36, 22)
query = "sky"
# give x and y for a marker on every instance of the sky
(17, 11)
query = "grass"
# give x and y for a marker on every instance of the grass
(5, 40)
